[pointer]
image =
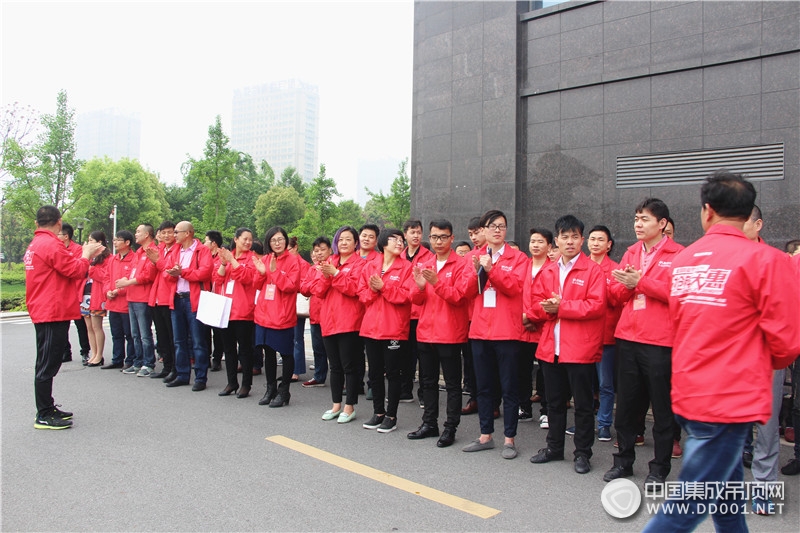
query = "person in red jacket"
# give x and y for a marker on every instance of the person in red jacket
(65, 236)
(737, 318)
(96, 306)
(235, 277)
(569, 300)
(299, 328)
(51, 273)
(496, 328)
(337, 282)
(276, 313)
(139, 284)
(321, 252)
(644, 342)
(441, 294)
(120, 266)
(385, 291)
(189, 266)
(161, 296)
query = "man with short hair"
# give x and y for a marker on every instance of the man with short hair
(160, 299)
(213, 241)
(120, 266)
(51, 273)
(139, 283)
(462, 248)
(321, 252)
(478, 238)
(737, 318)
(368, 239)
(75, 249)
(644, 342)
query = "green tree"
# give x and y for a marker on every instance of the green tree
(43, 173)
(280, 206)
(137, 193)
(17, 234)
(250, 183)
(349, 213)
(395, 207)
(291, 178)
(18, 125)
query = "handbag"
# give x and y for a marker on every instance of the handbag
(214, 309)
(302, 305)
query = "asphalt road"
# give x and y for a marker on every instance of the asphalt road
(142, 457)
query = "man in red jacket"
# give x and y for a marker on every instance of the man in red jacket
(50, 276)
(120, 266)
(644, 342)
(569, 300)
(737, 317)
(65, 236)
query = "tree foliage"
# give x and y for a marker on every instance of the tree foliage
(250, 183)
(393, 208)
(280, 206)
(291, 178)
(18, 124)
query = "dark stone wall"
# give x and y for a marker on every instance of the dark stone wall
(528, 111)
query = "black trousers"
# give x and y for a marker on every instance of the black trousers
(271, 369)
(560, 378)
(165, 341)
(384, 357)
(344, 351)
(525, 387)
(83, 338)
(219, 340)
(51, 338)
(469, 371)
(238, 340)
(640, 366)
(408, 366)
(431, 358)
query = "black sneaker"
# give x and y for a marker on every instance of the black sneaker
(51, 421)
(792, 468)
(63, 415)
(525, 416)
(388, 425)
(373, 422)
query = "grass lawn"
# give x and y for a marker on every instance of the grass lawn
(12, 289)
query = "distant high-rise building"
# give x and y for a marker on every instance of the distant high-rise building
(108, 132)
(278, 122)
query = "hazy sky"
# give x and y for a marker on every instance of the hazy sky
(178, 63)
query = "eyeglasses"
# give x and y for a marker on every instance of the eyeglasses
(394, 238)
(182, 231)
(440, 238)
(277, 240)
(496, 227)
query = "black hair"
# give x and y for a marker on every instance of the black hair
(756, 214)
(372, 227)
(349, 229)
(792, 246)
(271, 232)
(729, 194)
(125, 235)
(657, 207)
(100, 237)
(607, 231)
(670, 221)
(441, 223)
(492, 215)
(546, 233)
(463, 243)
(568, 223)
(257, 247)
(214, 236)
(239, 231)
(322, 239)
(411, 223)
(47, 215)
(383, 238)
(474, 223)
(167, 225)
(67, 229)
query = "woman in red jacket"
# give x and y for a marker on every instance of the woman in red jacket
(337, 282)
(96, 310)
(276, 313)
(384, 290)
(235, 276)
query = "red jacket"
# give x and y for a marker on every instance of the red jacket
(76, 250)
(507, 277)
(342, 312)
(163, 290)
(314, 302)
(387, 313)
(51, 275)
(239, 285)
(99, 276)
(423, 257)
(653, 324)
(145, 273)
(198, 273)
(444, 307)
(736, 307)
(277, 301)
(119, 267)
(475, 252)
(581, 314)
(532, 336)
(613, 309)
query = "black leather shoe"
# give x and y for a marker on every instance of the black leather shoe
(654, 483)
(423, 432)
(244, 392)
(582, 465)
(546, 455)
(159, 375)
(747, 459)
(448, 437)
(617, 472)
(280, 400)
(67, 358)
(109, 366)
(216, 366)
(272, 391)
(197, 387)
(228, 390)
(177, 383)
(172, 376)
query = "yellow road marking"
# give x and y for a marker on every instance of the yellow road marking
(437, 496)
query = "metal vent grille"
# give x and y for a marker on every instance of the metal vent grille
(758, 163)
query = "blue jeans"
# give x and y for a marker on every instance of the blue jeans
(185, 323)
(300, 346)
(796, 405)
(320, 355)
(141, 316)
(502, 356)
(120, 325)
(711, 453)
(605, 375)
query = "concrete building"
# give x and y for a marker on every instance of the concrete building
(587, 107)
(279, 123)
(108, 132)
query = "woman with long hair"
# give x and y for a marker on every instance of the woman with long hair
(276, 313)
(235, 276)
(336, 282)
(93, 315)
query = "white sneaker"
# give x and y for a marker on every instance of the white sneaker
(144, 372)
(543, 423)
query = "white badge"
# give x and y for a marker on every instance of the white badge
(229, 287)
(489, 298)
(258, 293)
